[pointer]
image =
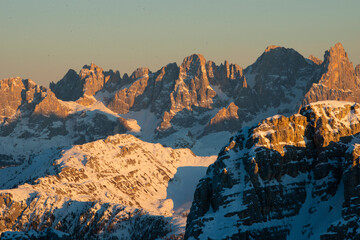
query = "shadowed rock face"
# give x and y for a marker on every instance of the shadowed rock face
(274, 180)
(69, 88)
(90, 80)
(338, 80)
(280, 75)
(226, 118)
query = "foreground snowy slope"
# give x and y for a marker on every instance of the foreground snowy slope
(104, 187)
(286, 178)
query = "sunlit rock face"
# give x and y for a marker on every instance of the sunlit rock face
(315, 60)
(275, 180)
(225, 118)
(188, 98)
(338, 80)
(32, 119)
(17, 93)
(176, 105)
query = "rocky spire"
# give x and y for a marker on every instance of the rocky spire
(339, 71)
(69, 88)
(244, 85)
(337, 81)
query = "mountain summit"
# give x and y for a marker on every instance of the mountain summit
(63, 170)
(338, 80)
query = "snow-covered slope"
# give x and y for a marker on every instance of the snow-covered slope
(286, 178)
(95, 188)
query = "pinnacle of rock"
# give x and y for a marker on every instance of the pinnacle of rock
(244, 85)
(340, 71)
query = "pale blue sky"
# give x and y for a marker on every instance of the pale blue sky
(41, 40)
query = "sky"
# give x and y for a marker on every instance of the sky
(42, 40)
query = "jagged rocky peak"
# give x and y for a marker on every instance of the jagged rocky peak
(338, 80)
(229, 77)
(69, 88)
(277, 60)
(279, 76)
(90, 69)
(337, 51)
(93, 79)
(191, 89)
(17, 93)
(225, 70)
(140, 72)
(315, 60)
(90, 80)
(192, 66)
(226, 119)
(10, 90)
(277, 179)
(339, 71)
(226, 114)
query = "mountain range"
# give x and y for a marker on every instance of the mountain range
(72, 152)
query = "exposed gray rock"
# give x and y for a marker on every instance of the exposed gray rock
(275, 180)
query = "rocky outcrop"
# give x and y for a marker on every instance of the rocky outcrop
(184, 99)
(192, 89)
(315, 60)
(338, 80)
(229, 78)
(124, 99)
(12, 88)
(280, 75)
(32, 117)
(50, 105)
(225, 119)
(69, 88)
(194, 92)
(18, 93)
(89, 81)
(274, 181)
